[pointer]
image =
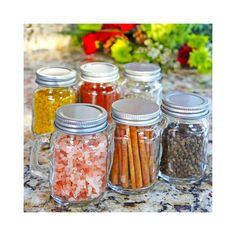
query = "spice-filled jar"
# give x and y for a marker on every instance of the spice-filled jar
(142, 80)
(137, 146)
(56, 87)
(81, 154)
(99, 84)
(185, 137)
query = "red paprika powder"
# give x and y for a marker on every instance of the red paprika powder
(99, 84)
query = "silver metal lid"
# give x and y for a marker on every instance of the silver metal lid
(99, 72)
(135, 111)
(56, 77)
(143, 72)
(81, 118)
(185, 105)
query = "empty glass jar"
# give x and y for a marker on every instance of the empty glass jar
(137, 145)
(185, 137)
(142, 80)
(56, 87)
(82, 148)
(99, 84)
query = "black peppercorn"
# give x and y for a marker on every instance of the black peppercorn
(184, 152)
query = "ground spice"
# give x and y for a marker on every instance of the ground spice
(102, 94)
(46, 101)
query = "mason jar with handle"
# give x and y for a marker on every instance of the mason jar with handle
(81, 154)
(56, 87)
(185, 137)
(137, 146)
(142, 80)
(99, 84)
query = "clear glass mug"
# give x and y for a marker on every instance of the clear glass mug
(185, 137)
(142, 80)
(138, 148)
(81, 154)
(184, 158)
(136, 160)
(56, 87)
(99, 85)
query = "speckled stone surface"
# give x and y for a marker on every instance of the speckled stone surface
(164, 197)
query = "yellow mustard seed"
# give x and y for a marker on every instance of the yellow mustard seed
(46, 101)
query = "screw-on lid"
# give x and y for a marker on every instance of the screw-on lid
(99, 72)
(143, 72)
(135, 111)
(185, 105)
(56, 77)
(81, 118)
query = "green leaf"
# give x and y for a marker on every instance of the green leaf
(90, 27)
(201, 59)
(169, 35)
(120, 51)
(197, 41)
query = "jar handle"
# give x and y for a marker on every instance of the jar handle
(35, 167)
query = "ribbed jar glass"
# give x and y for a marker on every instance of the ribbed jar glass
(185, 137)
(82, 149)
(99, 84)
(137, 146)
(142, 80)
(55, 89)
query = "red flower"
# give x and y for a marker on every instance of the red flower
(89, 40)
(183, 55)
(122, 27)
(89, 43)
(104, 36)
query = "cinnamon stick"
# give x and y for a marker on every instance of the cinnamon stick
(135, 151)
(147, 143)
(144, 160)
(115, 166)
(151, 163)
(131, 160)
(124, 163)
(118, 144)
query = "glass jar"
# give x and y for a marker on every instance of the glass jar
(137, 146)
(99, 84)
(82, 148)
(185, 137)
(55, 89)
(142, 80)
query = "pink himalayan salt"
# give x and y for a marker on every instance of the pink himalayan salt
(79, 167)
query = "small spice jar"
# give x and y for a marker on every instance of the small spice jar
(142, 80)
(55, 89)
(185, 137)
(137, 145)
(82, 148)
(99, 84)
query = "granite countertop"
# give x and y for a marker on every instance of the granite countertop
(164, 197)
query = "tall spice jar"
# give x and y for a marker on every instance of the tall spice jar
(142, 80)
(185, 137)
(137, 145)
(99, 84)
(81, 154)
(56, 87)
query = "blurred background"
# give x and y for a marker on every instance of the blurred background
(172, 46)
